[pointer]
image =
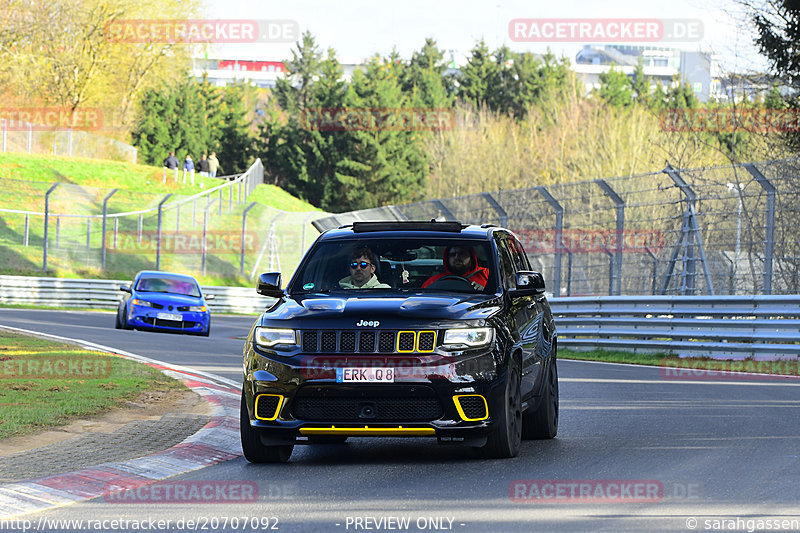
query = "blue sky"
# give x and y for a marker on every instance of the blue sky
(358, 28)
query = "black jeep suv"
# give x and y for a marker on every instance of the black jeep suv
(424, 329)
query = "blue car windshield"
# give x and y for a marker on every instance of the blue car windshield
(168, 285)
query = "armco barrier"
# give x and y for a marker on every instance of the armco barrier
(105, 294)
(737, 327)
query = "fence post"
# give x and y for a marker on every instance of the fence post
(105, 217)
(559, 245)
(769, 234)
(230, 198)
(58, 231)
(46, 217)
(159, 227)
(139, 229)
(205, 233)
(27, 230)
(448, 215)
(244, 229)
(88, 232)
(497, 207)
(689, 238)
(219, 211)
(655, 266)
(616, 264)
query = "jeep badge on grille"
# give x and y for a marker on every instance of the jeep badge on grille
(368, 323)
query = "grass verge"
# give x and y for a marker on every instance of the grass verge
(45, 384)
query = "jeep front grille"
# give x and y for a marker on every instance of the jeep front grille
(381, 341)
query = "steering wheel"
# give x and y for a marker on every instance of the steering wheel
(452, 282)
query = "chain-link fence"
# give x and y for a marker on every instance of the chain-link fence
(722, 230)
(114, 232)
(31, 138)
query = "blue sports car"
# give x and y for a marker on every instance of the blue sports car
(164, 301)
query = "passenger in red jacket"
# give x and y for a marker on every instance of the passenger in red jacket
(462, 261)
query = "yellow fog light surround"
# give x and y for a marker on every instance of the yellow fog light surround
(457, 400)
(276, 398)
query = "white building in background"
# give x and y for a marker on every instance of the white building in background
(662, 65)
(263, 73)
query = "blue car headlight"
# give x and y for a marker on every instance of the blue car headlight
(141, 303)
(198, 308)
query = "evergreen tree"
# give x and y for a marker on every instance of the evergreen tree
(615, 88)
(474, 79)
(424, 78)
(640, 84)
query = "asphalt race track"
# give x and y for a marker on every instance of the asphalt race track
(636, 451)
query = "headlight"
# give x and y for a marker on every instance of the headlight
(141, 303)
(197, 308)
(467, 337)
(271, 337)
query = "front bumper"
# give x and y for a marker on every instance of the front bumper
(147, 318)
(452, 397)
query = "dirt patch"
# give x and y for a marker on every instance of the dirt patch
(149, 405)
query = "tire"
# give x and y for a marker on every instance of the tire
(124, 321)
(542, 423)
(117, 324)
(253, 450)
(327, 439)
(506, 440)
(207, 331)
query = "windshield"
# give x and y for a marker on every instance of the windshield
(168, 285)
(397, 265)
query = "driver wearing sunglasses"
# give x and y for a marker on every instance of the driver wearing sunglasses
(362, 272)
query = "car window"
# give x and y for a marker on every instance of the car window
(401, 264)
(168, 285)
(506, 262)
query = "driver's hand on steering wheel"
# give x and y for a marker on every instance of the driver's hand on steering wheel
(477, 286)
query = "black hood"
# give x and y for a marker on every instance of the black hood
(339, 312)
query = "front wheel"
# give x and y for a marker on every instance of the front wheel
(543, 422)
(253, 450)
(506, 440)
(124, 320)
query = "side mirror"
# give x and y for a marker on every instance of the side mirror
(529, 282)
(269, 284)
(209, 297)
(125, 288)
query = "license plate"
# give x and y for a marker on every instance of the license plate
(365, 375)
(169, 316)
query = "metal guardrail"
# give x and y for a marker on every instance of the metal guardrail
(737, 327)
(762, 327)
(105, 294)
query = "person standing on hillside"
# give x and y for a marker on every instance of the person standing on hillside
(171, 163)
(203, 166)
(213, 165)
(188, 166)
